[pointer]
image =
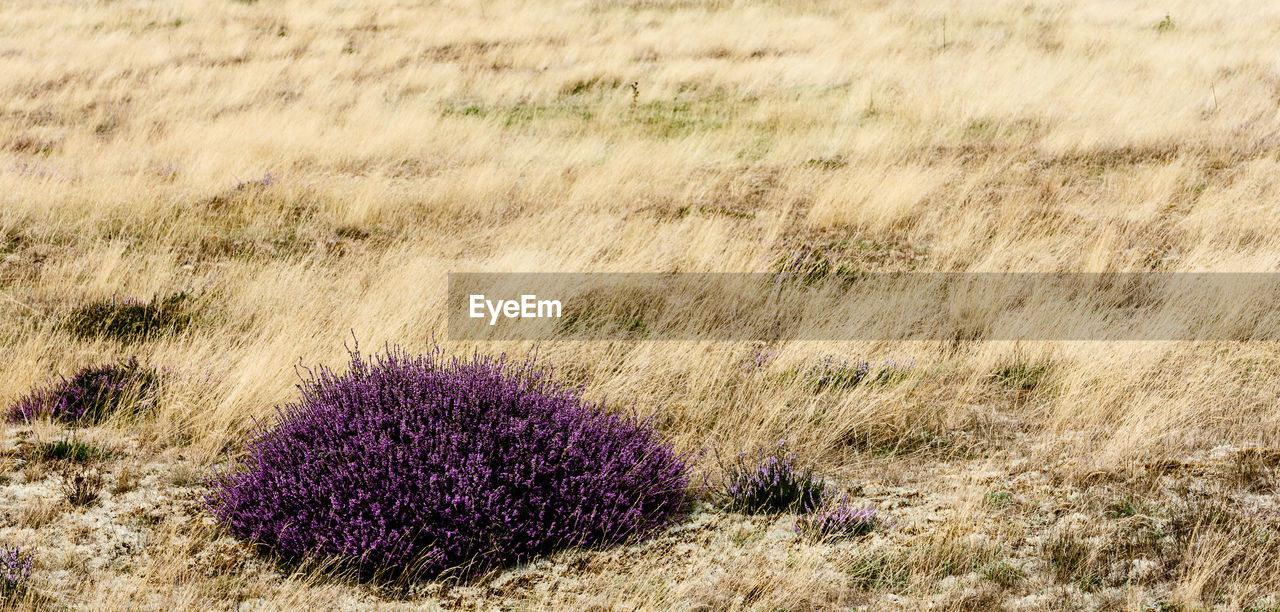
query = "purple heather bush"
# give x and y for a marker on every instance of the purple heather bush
(91, 394)
(425, 465)
(15, 571)
(769, 482)
(838, 521)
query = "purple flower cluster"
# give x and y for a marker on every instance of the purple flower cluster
(90, 395)
(831, 372)
(15, 570)
(266, 181)
(427, 465)
(167, 172)
(764, 483)
(36, 171)
(838, 521)
(759, 358)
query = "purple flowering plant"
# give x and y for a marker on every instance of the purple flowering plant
(759, 358)
(770, 482)
(91, 394)
(266, 181)
(37, 171)
(422, 465)
(15, 571)
(838, 521)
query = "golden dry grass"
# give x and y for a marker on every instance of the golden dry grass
(404, 140)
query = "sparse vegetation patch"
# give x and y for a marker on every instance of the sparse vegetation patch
(836, 373)
(131, 320)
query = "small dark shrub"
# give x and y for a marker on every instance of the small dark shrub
(811, 265)
(595, 320)
(827, 163)
(838, 521)
(770, 482)
(1021, 375)
(352, 232)
(81, 484)
(15, 571)
(416, 466)
(90, 395)
(130, 320)
(833, 373)
(71, 450)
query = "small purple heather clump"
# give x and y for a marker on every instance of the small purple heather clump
(36, 171)
(770, 482)
(423, 465)
(266, 181)
(90, 395)
(758, 358)
(831, 372)
(838, 521)
(15, 571)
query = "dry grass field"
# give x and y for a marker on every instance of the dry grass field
(310, 171)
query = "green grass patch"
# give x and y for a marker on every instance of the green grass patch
(522, 114)
(998, 498)
(68, 450)
(680, 117)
